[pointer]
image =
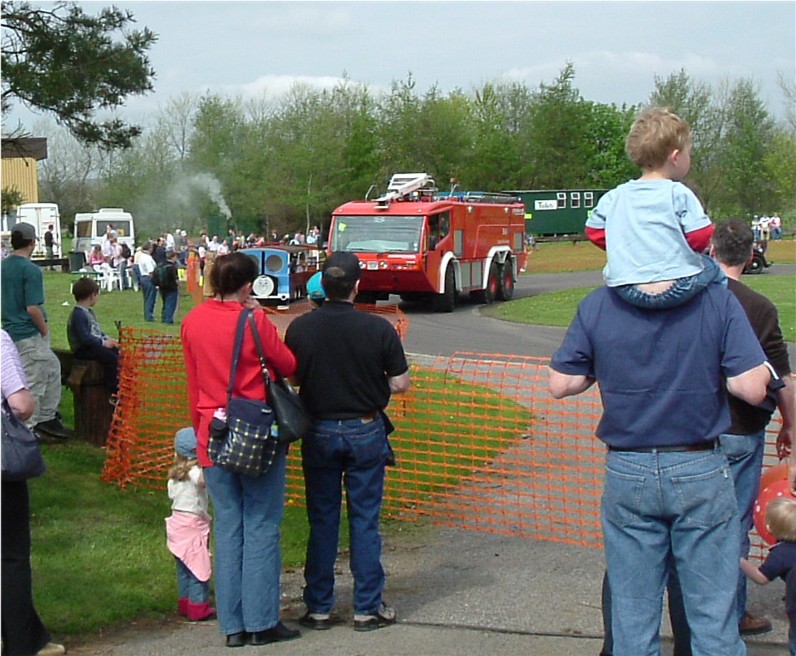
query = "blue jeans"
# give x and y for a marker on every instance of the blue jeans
(169, 305)
(150, 296)
(660, 508)
(745, 456)
(792, 638)
(188, 586)
(352, 453)
(247, 512)
(683, 289)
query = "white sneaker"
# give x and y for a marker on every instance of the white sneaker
(383, 617)
(51, 649)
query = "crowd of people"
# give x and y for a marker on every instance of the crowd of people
(691, 366)
(767, 227)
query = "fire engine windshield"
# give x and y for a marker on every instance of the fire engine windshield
(377, 234)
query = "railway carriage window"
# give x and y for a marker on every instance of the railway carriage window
(574, 199)
(588, 199)
(561, 198)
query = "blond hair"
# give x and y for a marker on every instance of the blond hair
(182, 465)
(654, 135)
(781, 518)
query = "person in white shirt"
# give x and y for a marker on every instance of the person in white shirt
(146, 265)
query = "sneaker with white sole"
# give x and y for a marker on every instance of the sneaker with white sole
(383, 617)
(51, 649)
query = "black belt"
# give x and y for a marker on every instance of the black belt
(699, 446)
(365, 418)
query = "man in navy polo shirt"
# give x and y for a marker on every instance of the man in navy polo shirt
(349, 363)
(664, 377)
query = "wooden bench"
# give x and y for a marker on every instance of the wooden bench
(61, 262)
(93, 409)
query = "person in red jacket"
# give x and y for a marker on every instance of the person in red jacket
(248, 510)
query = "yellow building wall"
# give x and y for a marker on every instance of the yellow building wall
(22, 174)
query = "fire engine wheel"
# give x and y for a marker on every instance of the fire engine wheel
(506, 282)
(446, 301)
(488, 294)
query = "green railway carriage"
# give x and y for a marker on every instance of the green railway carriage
(558, 211)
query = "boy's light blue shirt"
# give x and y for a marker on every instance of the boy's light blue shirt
(645, 223)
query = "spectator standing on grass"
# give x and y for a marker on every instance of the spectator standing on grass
(146, 265)
(765, 227)
(168, 283)
(247, 510)
(159, 250)
(653, 229)
(86, 338)
(776, 227)
(188, 529)
(349, 363)
(668, 499)
(23, 632)
(25, 320)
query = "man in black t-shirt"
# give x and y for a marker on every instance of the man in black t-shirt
(349, 363)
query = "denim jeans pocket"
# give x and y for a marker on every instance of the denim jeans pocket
(739, 447)
(368, 444)
(316, 449)
(622, 497)
(706, 498)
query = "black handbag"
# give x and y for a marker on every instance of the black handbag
(291, 414)
(244, 443)
(21, 454)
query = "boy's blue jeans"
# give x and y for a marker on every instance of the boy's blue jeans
(683, 289)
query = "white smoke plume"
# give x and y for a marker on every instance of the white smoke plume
(212, 186)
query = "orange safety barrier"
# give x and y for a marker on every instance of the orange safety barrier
(480, 443)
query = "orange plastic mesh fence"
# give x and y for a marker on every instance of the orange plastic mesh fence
(153, 400)
(480, 444)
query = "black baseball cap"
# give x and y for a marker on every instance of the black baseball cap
(347, 262)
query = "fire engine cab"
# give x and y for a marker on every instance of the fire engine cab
(428, 245)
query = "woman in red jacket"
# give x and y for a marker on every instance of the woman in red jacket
(248, 510)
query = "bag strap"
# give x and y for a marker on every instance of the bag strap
(241, 327)
(260, 352)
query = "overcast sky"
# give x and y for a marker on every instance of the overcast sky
(251, 48)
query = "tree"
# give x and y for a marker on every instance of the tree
(560, 135)
(747, 138)
(68, 176)
(65, 62)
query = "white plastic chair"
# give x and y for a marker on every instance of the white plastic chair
(109, 278)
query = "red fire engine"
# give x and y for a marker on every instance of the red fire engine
(428, 245)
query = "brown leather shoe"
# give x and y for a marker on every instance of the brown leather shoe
(751, 625)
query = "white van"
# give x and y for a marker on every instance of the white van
(91, 228)
(41, 216)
